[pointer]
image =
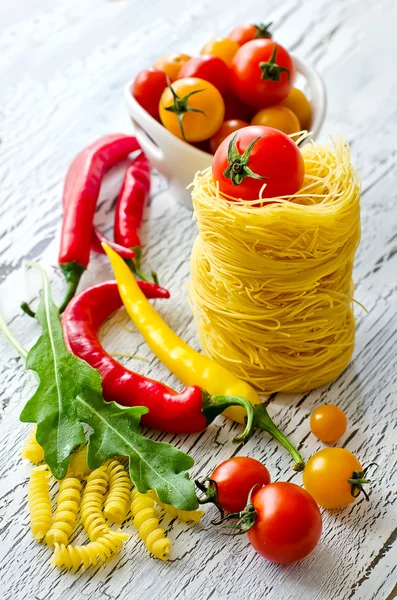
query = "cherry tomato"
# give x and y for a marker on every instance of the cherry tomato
(235, 478)
(210, 68)
(326, 477)
(245, 33)
(300, 105)
(171, 64)
(199, 109)
(262, 73)
(328, 423)
(236, 109)
(223, 48)
(279, 117)
(147, 89)
(273, 156)
(288, 522)
(226, 129)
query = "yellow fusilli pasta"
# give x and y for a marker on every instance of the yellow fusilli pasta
(146, 522)
(72, 557)
(65, 516)
(78, 463)
(118, 499)
(182, 515)
(92, 504)
(39, 502)
(32, 450)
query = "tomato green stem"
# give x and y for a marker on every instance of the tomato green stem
(180, 106)
(262, 30)
(358, 479)
(238, 167)
(271, 70)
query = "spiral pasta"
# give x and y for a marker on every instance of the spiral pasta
(182, 515)
(145, 520)
(271, 286)
(32, 450)
(78, 463)
(72, 557)
(92, 503)
(39, 502)
(65, 516)
(118, 499)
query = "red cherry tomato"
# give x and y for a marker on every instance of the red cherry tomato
(210, 68)
(235, 478)
(236, 109)
(245, 33)
(288, 522)
(274, 157)
(226, 129)
(147, 89)
(262, 73)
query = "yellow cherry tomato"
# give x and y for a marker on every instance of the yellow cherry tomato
(197, 109)
(300, 105)
(326, 477)
(278, 117)
(328, 423)
(223, 48)
(171, 64)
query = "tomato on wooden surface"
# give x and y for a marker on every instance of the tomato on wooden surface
(147, 89)
(300, 105)
(256, 155)
(192, 109)
(245, 33)
(334, 477)
(279, 117)
(237, 109)
(262, 73)
(171, 64)
(223, 48)
(288, 522)
(236, 478)
(210, 68)
(328, 423)
(226, 129)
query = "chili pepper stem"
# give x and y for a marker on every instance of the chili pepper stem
(263, 422)
(72, 272)
(215, 405)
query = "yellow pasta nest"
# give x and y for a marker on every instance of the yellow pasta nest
(182, 515)
(78, 463)
(117, 502)
(92, 504)
(145, 520)
(72, 557)
(65, 516)
(39, 502)
(32, 450)
(271, 286)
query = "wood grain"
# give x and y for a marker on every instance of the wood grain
(63, 66)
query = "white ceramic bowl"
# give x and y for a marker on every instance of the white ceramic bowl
(179, 161)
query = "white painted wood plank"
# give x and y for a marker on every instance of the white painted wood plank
(63, 65)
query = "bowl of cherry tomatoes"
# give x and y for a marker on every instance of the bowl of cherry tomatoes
(183, 107)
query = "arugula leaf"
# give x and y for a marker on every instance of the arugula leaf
(153, 465)
(70, 393)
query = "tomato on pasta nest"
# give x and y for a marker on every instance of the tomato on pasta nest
(254, 156)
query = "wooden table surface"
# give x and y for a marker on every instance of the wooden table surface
(63, 66)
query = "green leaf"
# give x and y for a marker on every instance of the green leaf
(62, 376)
(153, 465)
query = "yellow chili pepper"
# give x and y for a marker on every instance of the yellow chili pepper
(191, 367)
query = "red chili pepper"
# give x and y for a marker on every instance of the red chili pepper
(82, 186)
(185, 412)
(97, 237)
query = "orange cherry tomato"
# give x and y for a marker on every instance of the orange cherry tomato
(279, 117)
(300, 105)
(328, 423)
(245, 33)
(198, 109)
(226, 129)
(223, 48)
(171, 64)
